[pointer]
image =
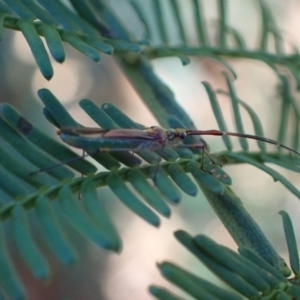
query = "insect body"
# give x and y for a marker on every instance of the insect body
(152, 138)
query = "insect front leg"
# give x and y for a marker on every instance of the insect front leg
(203, 147)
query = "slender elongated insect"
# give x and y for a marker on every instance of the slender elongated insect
(152, 138)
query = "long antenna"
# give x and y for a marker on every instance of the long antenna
(249, 136)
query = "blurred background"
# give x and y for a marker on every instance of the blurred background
(103, 275)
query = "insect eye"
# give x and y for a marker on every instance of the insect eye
(171, 136)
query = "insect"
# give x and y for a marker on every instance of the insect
(152, 138)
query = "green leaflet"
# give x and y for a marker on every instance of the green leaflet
(56, 239)
(162, 294)
(54, 42)
(150, 195)
(291, 243)
(195, 286)
(9, 280)
(81, 46)
(182, 180)
(37, 47)
(98, 214)
(236, 112)
(119, 188)
(217, 112)
(25, 244)
(233, 279)
(82, 222)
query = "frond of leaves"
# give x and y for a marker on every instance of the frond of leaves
(23, 188)
(57, 23)
(91, 27)
(246, 273)
(229, 42)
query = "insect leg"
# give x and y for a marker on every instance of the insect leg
(204, 152)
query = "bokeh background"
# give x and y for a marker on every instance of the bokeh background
(99, 274)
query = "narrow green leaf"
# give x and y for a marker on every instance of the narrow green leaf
(265, 27)
(217, 112)
(81, 221)
(126, 158)
(222, 23)
(81, 46)
(269, 28)
(276, 176)
(162, 294)
(66, 17)
(56, 109)
(165, 185)
(182, 180)
(182, 279)
(96, 211)
(199, 21)
(2, 17)
(291, 242)
(256, 123)
(238, 38)
(285, 107)
(99, 45)
(282, 296)
(260, 272)
(88, 13)
(54, 42)
(49, 117)
(142, 17)
(5, 10)
(4, 199)
(9, 281)
(229, 277)
(296, 137)
(124, 46)
(205, 178)
(20, 9)
(139, 182)
(176, 11)
(25, 244)
(98, 114)
(43, 15)
(292, 67)
(223, 257)
(109, 17)
(294, 291)
(107, 161)
(256, 259)
(195, 286)
(10, 185)
(159, 21)
(167, 154)
(120, 189)
(288, 163)
(237, 115)
(56, 239)
(37, 48)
